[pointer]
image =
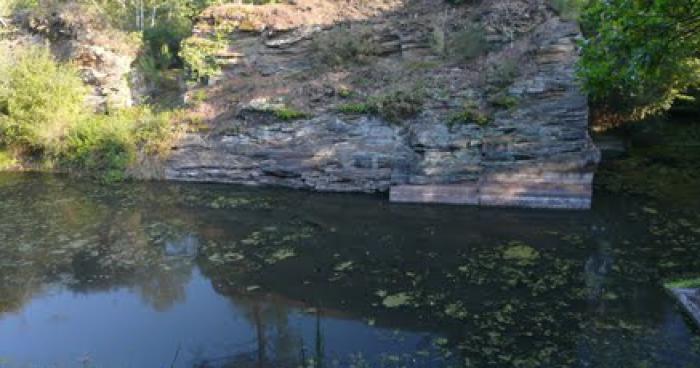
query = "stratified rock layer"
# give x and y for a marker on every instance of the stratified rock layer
(536, 153)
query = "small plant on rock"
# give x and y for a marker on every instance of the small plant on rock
(468, 43)
(398, 105)
(470, 114)
(502, 74)
(357, 108)
(504, 101)
(345, 45)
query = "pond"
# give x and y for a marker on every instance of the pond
(182, 275)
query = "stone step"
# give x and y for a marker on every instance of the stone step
(536, 189)
(538, 193)
(539, 177)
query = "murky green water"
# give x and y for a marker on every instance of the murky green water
(160, 275)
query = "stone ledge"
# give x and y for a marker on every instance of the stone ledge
(531, 194)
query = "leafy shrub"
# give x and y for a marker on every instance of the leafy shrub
(162, 42)
(106, 145)
(469, 115)
(345, 45)
(639, 56)
(40, 100)
(502, 74)
(468, 43)
(198, 54)
(398, 105)
(102, 146)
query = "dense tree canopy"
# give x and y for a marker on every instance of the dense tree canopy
(640, 55)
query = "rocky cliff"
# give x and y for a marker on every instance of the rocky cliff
(468, 104)
(104, 56)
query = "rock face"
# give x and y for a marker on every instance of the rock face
(104, 56)
(534, 151)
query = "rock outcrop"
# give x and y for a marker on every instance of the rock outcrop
(104, 56)
(507, 126)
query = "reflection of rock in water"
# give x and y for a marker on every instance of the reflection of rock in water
(185, 247)
(690, 301)
(596, 270)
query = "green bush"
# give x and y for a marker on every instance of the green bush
(162, 42)
(502, 74)
(199, 56)
(469, 115)
(106, 145)
(40, 100)
(468, 43)
(639, 56)
(102, 146)
(345, 45)
(399, 105)
(43, 114)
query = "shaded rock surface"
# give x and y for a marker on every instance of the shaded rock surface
(535, 152)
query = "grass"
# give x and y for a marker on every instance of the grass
(689, 283)
(288, 113)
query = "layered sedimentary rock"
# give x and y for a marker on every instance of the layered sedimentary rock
(531, 148)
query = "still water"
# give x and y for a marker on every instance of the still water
(178, 275)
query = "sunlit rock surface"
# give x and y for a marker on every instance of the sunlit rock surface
(536, 152)
(103, 56)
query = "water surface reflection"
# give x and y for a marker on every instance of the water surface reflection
(145, 275)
